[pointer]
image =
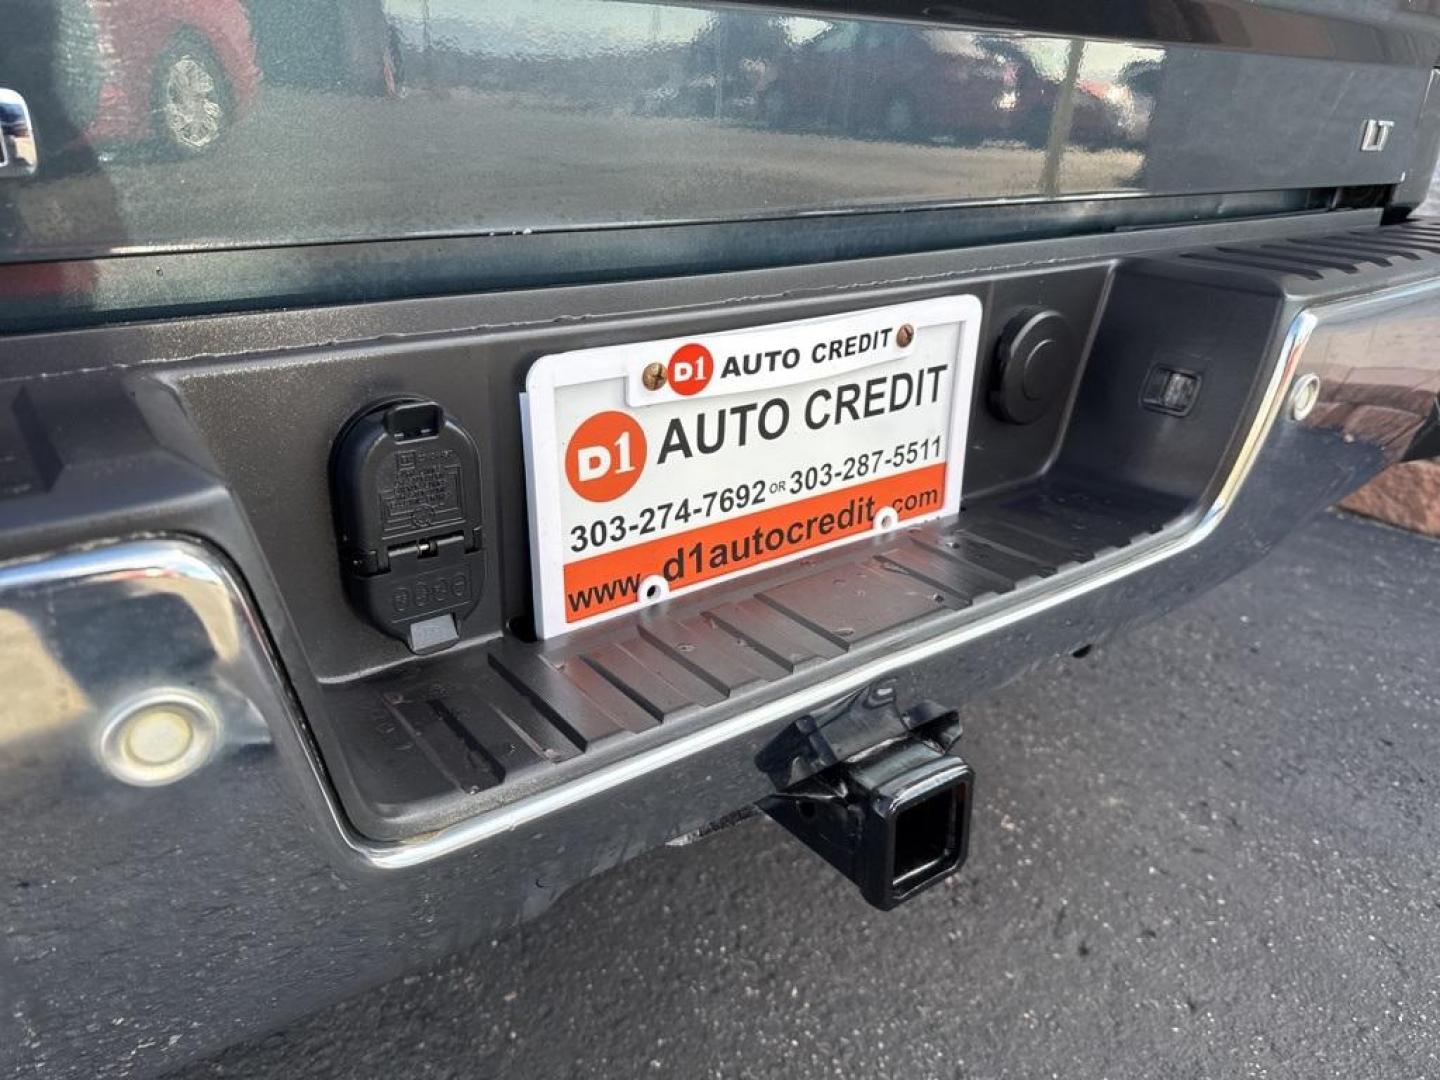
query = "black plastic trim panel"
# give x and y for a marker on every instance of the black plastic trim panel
(427, 747)
(471, 733)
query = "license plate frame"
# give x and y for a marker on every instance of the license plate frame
(596, 421)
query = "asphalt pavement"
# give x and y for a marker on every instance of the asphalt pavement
(1208, 849)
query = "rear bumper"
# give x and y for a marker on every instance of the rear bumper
(246, 889)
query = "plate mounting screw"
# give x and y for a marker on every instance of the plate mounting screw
(1305, 395)
(653, 376)
(904, 335)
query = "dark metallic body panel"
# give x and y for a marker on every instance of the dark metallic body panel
(611, 165)
(91, 291)
(580, 114)
(1368, 31)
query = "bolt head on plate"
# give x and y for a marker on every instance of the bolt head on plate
(653, 376)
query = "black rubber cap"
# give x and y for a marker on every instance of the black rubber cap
(1034, 365)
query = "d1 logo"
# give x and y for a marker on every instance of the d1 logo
(605, 456)
(690, 369)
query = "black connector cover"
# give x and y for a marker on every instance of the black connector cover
(405, 486)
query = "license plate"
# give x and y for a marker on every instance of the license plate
(660, 467)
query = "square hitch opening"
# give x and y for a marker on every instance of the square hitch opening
(894, 819)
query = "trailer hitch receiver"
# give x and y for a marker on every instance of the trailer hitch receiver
(894, 819)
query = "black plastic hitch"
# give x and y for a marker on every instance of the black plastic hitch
(893, 818)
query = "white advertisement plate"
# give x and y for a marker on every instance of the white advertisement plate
(659, 467)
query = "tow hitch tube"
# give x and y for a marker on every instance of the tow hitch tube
(893, 818)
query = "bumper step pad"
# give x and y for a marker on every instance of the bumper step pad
(483, 718)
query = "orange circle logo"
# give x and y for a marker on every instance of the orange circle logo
(690, 369)
(605, 456)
